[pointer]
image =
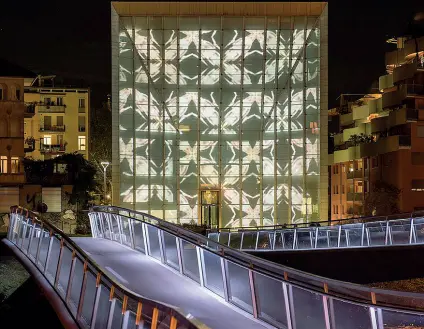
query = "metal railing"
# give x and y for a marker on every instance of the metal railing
(94, 299)
(278, 295)
(388, 232)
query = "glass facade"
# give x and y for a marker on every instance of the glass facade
(226, 104)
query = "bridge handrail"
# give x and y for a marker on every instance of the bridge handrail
(346, 290)
(334, 222)
(126, 293)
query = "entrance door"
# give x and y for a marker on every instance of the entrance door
(210, 208)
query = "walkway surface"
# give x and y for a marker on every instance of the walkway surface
(152, 280)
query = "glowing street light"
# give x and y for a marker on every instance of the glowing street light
(104, 164)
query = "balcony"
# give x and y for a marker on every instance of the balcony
(346, 119)
(51, 108)
(386, 145)
(354, 174)
(29, 110)
(81, 129)
(12, 179)
(81, 109)
(394, 98)
(53, 129)
(404, 72)
(385, 82)
(352, 153)
(413, 89)
(52, 149)
(354, 196)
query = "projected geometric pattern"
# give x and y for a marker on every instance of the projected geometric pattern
(213, 103)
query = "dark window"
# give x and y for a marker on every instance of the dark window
(1, 94)
(374, 162)
(18, 94)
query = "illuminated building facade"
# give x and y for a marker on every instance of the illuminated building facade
(220, 111)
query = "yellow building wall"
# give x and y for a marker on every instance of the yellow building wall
(71, 113)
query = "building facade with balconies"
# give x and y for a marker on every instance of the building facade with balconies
(381, 138)
(56, 120)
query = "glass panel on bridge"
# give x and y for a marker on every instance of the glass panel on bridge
(75, 292)
(265, 240)
(393, 319)
(350, 316)
(53, 260)
(223, 238)
(270, 300)
(239, 287)
(213, 273)
(190, 260)
(399, 231)
(235, 240)
(308, 309)
(126, 235)
(42, 257)
(154, 242)
(65, 269)
(171, 254)
(249, 240)
(138, 235)
(102, 314)
(89, 296)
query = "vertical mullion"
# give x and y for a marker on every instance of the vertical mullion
(59, 263)
(164, 113)
(111, 312)
(262, 130)
(119, 221)
(220, 112)
(161, 246)
(241, 90)
(276, 141)
(199, 74)
(149, 132)
(178, 138)
(304, 77)
(82, 291)
(49, 249)
(289, 88)
(134, 104)
(32, 230)
(24, 229)
(39, 244)
(145, 238)
(131, 228)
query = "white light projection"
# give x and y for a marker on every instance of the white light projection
(198, 125)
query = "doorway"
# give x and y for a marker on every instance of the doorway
(210, 208)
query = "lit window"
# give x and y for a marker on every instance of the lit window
(3, 164)
(81, 143)
(14, 165)
(47, 140)
(60, 101)
(81, 103)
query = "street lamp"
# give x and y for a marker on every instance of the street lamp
(104, 164)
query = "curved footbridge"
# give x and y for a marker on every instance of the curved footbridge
(138, 271)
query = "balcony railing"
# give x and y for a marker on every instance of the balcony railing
(81, 129)
(52, 128)
(81, 109)
(354, 196)
(29, 110)
(49, 108)
(355, 174)
(57, 148)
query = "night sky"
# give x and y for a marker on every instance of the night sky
(72, 39)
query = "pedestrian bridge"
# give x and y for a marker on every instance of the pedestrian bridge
(137, 271)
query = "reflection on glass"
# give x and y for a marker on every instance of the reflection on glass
(308, 309)
(213, 273)
(239, 287)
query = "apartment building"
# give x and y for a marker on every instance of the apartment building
(56, 119)
(381, 137)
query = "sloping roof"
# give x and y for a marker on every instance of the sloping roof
(8, 69)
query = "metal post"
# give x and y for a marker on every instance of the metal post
(362, 234)
(96, 301)
(339, 237)
(130, 226)
(161, 246)
(118, 220)
(386, 238)
(241, 242)
(146, 231)
(326, 312)
(82, 292)
(178, 242)
(48, 253)
(39, 244)
(411, 231)
(30, 239)
(253, 292)
(257, 240)
(143, 230)
(287, 306)
(125, 319)
(294, 238)
(376, 319)
(71, 277)
(200, 264)
(111, 311)
(224, 278)
(316, 237)
(24, 229)
(59, 263)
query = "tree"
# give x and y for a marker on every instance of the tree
(101, 142)
(383, 200)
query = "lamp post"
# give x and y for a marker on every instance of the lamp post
(104, 164)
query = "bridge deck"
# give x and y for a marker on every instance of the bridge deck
(150, 279)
